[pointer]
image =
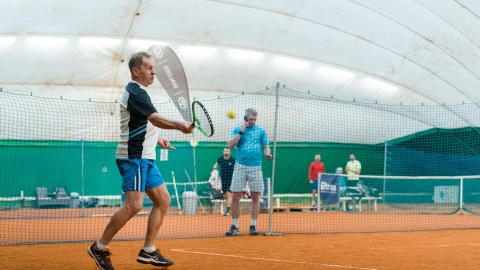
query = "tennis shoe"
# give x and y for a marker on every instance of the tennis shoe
(253, 230)
(233, 231)
(154, 258)
(101, 257)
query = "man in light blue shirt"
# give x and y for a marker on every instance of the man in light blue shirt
(249, 139)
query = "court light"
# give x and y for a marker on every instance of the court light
(378, 85)
(99, 41)
(291, 63)
(145, 44)
(198, 50)
(335, 73)
(6, 41)
(244, 54)
(47, 41)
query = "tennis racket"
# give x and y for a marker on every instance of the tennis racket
(201, 119)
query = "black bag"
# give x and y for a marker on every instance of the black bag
(372, 192)
(216, 194)
(354, 192)
(91, 202)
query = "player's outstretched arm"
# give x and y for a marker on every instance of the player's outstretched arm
(167, 123)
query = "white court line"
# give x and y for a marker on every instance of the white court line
(426, 246)
(268, 259)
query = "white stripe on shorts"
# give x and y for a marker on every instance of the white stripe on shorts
(138, 179)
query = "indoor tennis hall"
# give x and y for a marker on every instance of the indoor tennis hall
(393, 86)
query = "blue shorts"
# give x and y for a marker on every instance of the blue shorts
(139, 174)
(315, 185)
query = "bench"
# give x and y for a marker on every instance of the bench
(60, 199)
(371, 202)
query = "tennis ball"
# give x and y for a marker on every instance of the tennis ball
(231, 114)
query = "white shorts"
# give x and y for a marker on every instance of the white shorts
(243, 174)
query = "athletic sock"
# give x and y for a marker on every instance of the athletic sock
(235, 222)
(149, 249)
(100, 245)
(253, 222)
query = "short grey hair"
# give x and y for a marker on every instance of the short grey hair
(250, 111)
(137, 58)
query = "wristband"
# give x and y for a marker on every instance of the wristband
(240, 133)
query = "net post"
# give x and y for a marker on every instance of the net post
(384, 169)
(83, 178)
(319, 200)
(461, 194)
(270, 212)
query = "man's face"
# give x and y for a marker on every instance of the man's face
(352, 157)
(146, 73)
(251, 119)
(226, 153)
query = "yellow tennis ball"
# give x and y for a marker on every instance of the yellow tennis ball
(231, 114)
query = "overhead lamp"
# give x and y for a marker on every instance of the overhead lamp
(198, 50)
(144, 43)
(378, 85)
(47, 41)
(6, 41)
(99, 41)
(335, 73)
(292, 63)
(243, 54)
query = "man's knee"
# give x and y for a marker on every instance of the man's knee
(255, 196)
(133, 207)
(237, 196)
(162, 201)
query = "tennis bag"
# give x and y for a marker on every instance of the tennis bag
(216, 194)
(354, 192)
(371, 191)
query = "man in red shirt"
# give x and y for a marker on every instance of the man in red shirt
(315, 168)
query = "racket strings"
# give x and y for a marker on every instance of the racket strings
(202, 120)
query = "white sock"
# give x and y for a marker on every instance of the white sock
(313, 202)
(235, 222)
(100, 245)
(149, 249)
(253, 222)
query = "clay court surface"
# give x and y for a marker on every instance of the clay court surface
(415, 246)
(457, 249)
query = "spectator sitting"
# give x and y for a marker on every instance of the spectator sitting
(215, 185)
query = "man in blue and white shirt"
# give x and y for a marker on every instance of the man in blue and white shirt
(139, 123)
(249, 139)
